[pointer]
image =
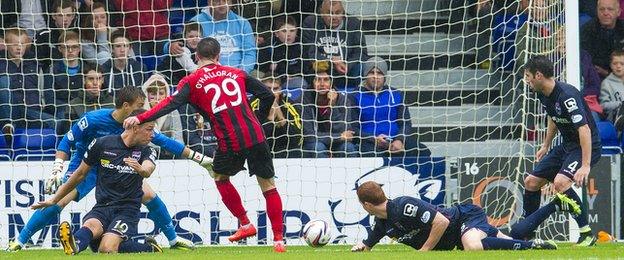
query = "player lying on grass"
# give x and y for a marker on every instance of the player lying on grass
(121, 162)
(425, 227)
(96, 124)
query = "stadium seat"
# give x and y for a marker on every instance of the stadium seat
(5, 150)
(608, 137)
(34, 144)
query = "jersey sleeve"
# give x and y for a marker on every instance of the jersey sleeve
(575, 106)
(418, 212)
(262, 93)
(375, 234)
(75, 134)
(92, 155)
(148, 153)
(168, 143)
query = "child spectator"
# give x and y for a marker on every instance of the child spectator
(283, 57)
(91, 97)
(64, 82)
(283, 124)
(612, 88)
(238, 45)
(177, 67)
(157, 89)
(63, 19)
(329, 122)
(20, 102)
(121, 70)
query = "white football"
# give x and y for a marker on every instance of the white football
(316, 233)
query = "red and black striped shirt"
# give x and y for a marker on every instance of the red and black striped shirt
(219, 93)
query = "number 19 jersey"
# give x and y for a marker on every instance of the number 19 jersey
(219, 93)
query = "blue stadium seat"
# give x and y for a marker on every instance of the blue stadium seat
(608, 137)
(34, 144)
(5, 150)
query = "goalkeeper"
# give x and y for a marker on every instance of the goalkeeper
(97, 124)
(425, 227)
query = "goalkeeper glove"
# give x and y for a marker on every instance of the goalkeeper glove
(55, 180)
(202, 160)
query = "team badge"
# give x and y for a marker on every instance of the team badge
(136, 155)
(557, 108)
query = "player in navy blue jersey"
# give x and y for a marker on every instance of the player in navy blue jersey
(220, 94)
(425, 227)
(567, 163)
(95, 124)
(121, 163)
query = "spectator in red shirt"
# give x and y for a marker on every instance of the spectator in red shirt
(146, 23)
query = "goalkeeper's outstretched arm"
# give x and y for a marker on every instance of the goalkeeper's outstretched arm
(66, 188)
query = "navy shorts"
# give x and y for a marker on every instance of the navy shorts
(258, 159)
(562, 160)
(120, 220)
(472, 216)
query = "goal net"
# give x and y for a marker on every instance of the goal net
(455, 67)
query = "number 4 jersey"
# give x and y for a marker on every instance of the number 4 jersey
(219, 93)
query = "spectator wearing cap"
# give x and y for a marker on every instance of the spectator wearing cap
(385, 123)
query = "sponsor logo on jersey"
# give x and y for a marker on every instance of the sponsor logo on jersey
(425, 217)
(560, 120)
(570, 104)
(83, 123)
(577, 118)
(410, 210)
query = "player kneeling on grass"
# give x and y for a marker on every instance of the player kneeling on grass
(122, 163)
(425, 227)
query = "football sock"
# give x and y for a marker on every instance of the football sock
(581, 219)
(523, 228)
(160, 215)
(232, 200)
(83, 237)
(274, 212)
(131, 246)
(38, 221)
(495, 243)
(531, 201)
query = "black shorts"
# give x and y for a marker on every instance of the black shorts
(120, 220)
(562, 160)
(472, 216)
(258, 157)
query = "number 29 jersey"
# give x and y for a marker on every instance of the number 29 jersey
(219, 93)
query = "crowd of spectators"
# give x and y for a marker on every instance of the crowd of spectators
(60, 59)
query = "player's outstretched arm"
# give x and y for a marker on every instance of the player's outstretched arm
(438, 226)
(66, 188)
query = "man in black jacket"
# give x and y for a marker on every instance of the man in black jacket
(603, 35)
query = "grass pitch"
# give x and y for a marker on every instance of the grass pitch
(566, 251)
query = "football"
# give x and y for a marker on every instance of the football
(316, 233)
